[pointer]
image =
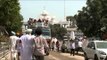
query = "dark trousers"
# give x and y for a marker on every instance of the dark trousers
(18, 56)
(78, 49)
(58, 49)
(39, 57)
(72, 52)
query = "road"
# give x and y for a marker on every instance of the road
(56, 56)
(63, 56)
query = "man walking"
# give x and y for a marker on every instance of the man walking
(26, 48)
(40, 47)
(13, 39)
(72, 46)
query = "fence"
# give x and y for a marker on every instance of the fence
(4, 50)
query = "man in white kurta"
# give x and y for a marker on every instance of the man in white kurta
(26, 51)
(54, 45)
(13, 39)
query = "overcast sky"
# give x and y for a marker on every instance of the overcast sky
(33, 8)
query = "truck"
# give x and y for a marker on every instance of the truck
(44, 24)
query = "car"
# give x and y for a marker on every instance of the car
(96, 50)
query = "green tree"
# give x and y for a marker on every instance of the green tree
(10, 16)
(92, 19)
(72, 20)
(58, 31)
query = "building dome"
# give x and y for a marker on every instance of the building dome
(44, 13)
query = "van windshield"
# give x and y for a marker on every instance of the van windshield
(101, 45)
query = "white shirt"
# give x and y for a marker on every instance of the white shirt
(54, 40)
(13, 45)
(80, 43)
(13, 41)
(26, 51)
(73, 45)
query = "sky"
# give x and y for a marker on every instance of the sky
(33, 8)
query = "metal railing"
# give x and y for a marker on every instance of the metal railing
(4, 50)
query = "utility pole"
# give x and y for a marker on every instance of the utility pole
(64, 11)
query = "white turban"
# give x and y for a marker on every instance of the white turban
(13, 32)
(28, 30)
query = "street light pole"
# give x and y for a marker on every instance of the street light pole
(64, 10)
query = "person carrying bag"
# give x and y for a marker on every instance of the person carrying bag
(40, 47)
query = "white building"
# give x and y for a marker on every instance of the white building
(72, 32)
(44, 15)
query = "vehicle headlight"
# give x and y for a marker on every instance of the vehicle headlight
(102, 53)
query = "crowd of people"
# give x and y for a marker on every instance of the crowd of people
(35, 47)
(55, 44)
(76, 45)
(28, 47)
(33, 22)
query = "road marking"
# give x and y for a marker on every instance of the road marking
(53, 58)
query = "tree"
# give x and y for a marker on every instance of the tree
(10, 16)
(72, 20)
(58, 31)
(92, 19)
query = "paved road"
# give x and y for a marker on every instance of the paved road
(56, 56)
(63, 56)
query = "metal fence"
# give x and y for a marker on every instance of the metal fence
(4, 50)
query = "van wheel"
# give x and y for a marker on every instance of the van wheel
(85, 56)
(95, 57)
